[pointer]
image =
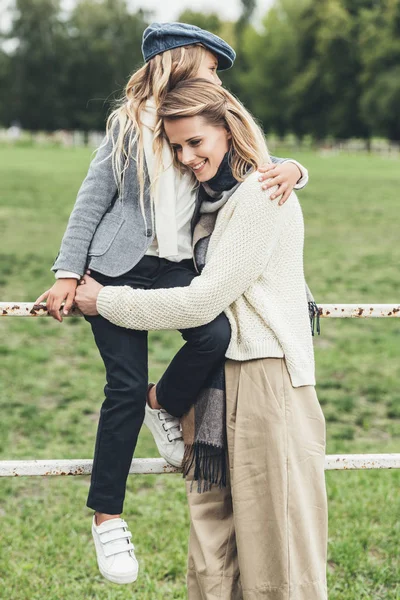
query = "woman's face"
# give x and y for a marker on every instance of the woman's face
(208, 68)
(198, 145)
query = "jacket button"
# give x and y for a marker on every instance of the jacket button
(148, 232)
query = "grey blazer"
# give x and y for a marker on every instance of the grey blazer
(106, 231)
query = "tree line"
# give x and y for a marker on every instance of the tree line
(326, 68)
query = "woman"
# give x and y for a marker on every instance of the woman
(131, 227)
(264, 534)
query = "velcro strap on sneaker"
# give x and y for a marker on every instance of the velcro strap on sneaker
(111, 536)
(169, 423)
(174, 435)
(112, 524)
(117, 549)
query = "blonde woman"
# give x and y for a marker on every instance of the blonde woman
(263, 532)
(132, 228)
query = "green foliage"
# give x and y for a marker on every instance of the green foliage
(380, 56)
(5, 80)
(272, 62)
(52, 380)
(65, 74)
(37, 64)
(105, 41)
(210, 22)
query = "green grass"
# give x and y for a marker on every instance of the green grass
(52, 378)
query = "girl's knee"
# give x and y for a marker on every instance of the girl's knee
(217, 335)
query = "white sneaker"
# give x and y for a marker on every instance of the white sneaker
(167, 434)
(115, 552)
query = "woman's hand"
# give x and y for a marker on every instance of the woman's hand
(62, 291)
(86, 296)
(284, 175)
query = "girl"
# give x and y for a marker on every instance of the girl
(131, 227)
(263, 535)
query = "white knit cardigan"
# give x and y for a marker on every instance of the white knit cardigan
(253, 272)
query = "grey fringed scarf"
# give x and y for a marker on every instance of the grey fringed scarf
(204, 425)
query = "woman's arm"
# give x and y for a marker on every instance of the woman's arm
(239, 258)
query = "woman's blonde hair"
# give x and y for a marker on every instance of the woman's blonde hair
(154, 80)
(201, 98)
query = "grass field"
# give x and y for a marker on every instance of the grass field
(52, 379)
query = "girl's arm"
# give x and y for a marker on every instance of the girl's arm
(286, 173)
(237, 261)
(95, 196)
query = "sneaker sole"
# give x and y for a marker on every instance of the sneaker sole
(121, 579)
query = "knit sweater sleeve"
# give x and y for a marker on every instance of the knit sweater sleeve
(239, 257)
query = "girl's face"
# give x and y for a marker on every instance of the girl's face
(198, 145)
(208, 68)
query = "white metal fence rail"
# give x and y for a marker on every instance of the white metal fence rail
(20, 468)
(146, 466)
(28, 309)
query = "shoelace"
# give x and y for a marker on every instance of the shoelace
(171, 425)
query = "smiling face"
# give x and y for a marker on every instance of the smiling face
(198, 145)
(208, 68)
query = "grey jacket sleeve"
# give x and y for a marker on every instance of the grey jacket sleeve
(277, 160)
(94, 198)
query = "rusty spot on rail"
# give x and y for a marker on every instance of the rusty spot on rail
(360, 312)
(36, 308)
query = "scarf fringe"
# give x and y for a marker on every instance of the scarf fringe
(313, 312)
(209, 463)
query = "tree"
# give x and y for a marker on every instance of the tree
(105, 42)
(273, 61)
(209, 22)
(37, 64)
(380, 76)
(232, 77)
(5, 81)
(326, 88)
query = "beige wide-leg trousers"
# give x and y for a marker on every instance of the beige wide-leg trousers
(264, 536)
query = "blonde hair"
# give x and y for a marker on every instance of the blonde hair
(154, 80)
(200, 97)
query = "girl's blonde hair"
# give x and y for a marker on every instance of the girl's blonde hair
(161, 74)
(201, 98)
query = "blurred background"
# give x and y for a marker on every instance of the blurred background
(328, 69)
(323, 78)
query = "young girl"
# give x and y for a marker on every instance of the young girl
(131, 227)
(263, 535)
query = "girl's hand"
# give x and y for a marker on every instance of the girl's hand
(86, 295)
(284, 175)
(62, 291)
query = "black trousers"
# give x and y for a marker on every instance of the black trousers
(124, 353)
